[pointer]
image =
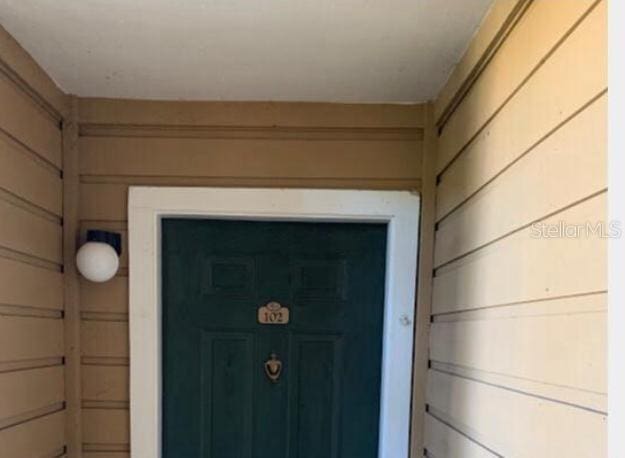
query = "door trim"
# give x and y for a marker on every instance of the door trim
(148, 205)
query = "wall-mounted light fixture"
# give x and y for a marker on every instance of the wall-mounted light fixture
(98, 259)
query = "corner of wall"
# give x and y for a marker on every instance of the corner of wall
(33, 356)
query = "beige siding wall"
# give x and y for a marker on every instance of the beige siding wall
(518, 350)
(517, 339)
(125, 143)
(32, 388)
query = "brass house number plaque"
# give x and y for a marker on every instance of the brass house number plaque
(273, 313)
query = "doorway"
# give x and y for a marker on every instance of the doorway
(328, 377)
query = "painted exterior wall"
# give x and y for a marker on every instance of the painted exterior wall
(518, 338)
(517, 357)
(32, 388)
(123, 143)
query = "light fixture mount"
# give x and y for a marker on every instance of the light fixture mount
(110, 238)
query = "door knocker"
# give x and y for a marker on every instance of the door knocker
(273, 368)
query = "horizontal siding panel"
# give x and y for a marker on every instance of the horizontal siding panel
(28, 233)
(29, 390)
(441, 441)
(107, 200)
(34, 439)
(546, 180)
(490, 27)
(106, 455)
(109, 297)
(24, 177)
(523, 268)
(537, 32)
(515, 424)
(561, 342)
(237, 114)
(106, 426)
(105, 383)
(194, 157)
(24, 338)
(21, 118)
(573, 396)
(26, 285)
(533, 112)
(103, 202)
(104, 339)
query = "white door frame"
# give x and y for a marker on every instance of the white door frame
(146, 207)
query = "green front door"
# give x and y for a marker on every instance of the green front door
(240, 384)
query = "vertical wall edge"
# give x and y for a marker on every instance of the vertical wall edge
(71, 189)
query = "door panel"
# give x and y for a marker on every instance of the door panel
(226, 388)
(316, 363)
(218, 402)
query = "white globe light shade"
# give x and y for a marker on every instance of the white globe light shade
(97, 261)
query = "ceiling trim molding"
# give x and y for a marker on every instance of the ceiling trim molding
(252, 132)
(498, 39)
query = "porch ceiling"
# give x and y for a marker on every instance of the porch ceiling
(298, 50)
